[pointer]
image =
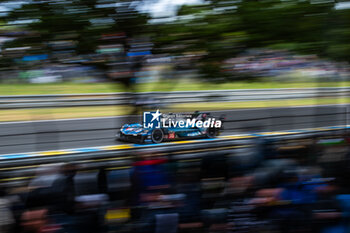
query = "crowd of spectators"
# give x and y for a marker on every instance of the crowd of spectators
(275, 63)
(258, 188)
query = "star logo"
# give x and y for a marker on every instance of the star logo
(151, 119)
(156, 115)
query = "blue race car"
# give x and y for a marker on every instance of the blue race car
(138, 134)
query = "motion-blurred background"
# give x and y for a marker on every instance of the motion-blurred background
(72, 72)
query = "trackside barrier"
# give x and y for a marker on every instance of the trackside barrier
(18, 168)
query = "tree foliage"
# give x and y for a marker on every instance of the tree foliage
(215, 30)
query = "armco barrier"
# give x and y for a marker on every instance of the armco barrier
(17, 168)
(106, 99)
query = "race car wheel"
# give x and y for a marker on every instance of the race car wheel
(211, 133)
(157, 136)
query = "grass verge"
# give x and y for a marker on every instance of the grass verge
(184, 85)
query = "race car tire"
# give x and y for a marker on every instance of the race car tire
(157, 135)
(212, 133)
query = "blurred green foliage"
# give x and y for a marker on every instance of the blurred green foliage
(221, 29)
(211, 32)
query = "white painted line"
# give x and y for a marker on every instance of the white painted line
(70, 119)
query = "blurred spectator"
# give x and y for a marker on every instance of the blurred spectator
(275, 194)
(150, 177)
(6, 216)
(38, 221)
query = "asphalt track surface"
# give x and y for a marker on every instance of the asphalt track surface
(17, 137)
